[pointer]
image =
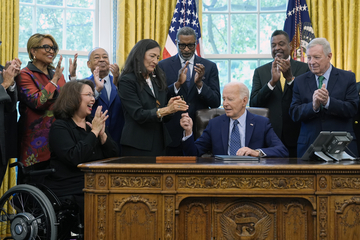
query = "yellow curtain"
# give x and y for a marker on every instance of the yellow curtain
(140, 19)
(9, 30)
(9, 35)
(338, 22)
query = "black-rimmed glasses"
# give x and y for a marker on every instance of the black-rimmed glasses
(191, 46)
(48, 48)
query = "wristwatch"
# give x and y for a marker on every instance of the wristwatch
(260, 152)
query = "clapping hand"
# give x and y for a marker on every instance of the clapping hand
(199, 74)
(115, 70)
(182, 75)
(98, 124)
(99, 85)
(58, 71)
(176, 104)
(73, 66)
(9, 74)
(320, 97)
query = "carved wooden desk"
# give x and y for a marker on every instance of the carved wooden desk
(284, 199)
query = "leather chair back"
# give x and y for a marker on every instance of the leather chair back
(203, 117)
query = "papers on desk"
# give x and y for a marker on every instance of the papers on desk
(236, 158)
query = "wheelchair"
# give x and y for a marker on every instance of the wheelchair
(33, 211)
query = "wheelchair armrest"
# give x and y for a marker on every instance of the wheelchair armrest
(42, 172)
(25, 174)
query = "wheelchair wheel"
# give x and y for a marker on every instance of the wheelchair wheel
(28, 213)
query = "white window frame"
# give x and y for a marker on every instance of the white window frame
(103, 34)
(256, 56)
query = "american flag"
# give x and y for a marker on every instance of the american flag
(298, 27)
(185, 15)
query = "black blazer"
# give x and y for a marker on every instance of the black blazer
(142, 127)
(8, 120)
(277, 101)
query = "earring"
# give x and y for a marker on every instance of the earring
(34, 57)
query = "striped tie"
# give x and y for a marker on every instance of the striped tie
(321, 79)
(235, 139)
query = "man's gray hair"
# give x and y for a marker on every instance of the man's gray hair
(186, 31)
(243, 90)
(92, 50)
(320, 41)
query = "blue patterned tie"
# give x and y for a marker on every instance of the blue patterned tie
(188, 77)
(235, 139)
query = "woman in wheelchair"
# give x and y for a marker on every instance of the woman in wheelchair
(76, 137)
(51, 211)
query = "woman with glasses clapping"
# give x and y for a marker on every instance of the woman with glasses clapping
(39, 84)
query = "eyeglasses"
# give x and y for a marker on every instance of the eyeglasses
(48, 48)
(191, 46)
(89, 94)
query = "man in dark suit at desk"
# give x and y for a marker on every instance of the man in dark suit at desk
(324, 99)
(8, 114)
(273, 86)
(237, 132)
(198, 84)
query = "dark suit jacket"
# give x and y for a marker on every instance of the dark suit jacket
(209, 97)
(356, 123)
(8, 129)
(142, 128)
(115, 122)
(338, 117)
(277, 101)
(258, 135)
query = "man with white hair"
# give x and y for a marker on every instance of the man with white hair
(324, 99)
(237, 132)
(106, 92)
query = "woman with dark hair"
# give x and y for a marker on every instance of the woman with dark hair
(76, 137)
(39, 84)
(142, 89)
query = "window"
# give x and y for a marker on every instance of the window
(236, 35)
(73, 23)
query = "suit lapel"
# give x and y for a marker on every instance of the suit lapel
(148, 90)
(332, 79)
(156, 89)
(113, 93)
(249, 128)
(311, 82)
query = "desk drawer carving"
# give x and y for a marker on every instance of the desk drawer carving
(250, 182)
(347, 217)
(245, 218)
(136, 217)
(345, 182)
(131, 181)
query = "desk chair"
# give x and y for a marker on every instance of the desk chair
(203, 117)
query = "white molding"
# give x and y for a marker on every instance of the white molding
(105, 26)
